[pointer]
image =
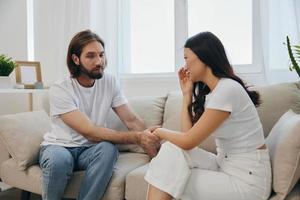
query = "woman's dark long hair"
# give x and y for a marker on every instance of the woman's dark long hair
(211, 52)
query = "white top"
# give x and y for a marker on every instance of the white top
(242, 131)
(95, 102)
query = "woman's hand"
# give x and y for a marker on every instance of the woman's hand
(186, 84)
(153, 128)
(159, 131)
(150, 142)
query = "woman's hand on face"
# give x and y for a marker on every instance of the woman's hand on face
(186, 84)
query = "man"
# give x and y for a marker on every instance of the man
(79, 106)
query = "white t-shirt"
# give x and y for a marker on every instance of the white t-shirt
(242, 131)
(95, 102)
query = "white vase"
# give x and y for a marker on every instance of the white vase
(5, 82)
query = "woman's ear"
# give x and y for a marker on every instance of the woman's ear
(75, 59)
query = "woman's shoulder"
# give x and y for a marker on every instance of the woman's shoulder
(230, 85)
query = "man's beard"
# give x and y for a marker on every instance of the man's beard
(91, 74)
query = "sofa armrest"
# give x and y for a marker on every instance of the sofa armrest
(4, 155)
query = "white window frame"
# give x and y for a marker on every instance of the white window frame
(181, 35)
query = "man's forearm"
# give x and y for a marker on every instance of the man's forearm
(117, 137)
(136, 125)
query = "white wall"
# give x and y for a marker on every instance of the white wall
(13, 43)
(13, 32)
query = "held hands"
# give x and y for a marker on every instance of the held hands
(150, 142)
(186, 84)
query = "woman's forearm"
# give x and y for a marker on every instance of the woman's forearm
(186, 123)
(178, 138)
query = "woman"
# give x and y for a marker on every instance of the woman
(215, 101)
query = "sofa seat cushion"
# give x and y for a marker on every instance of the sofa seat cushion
(127, 162)
(295, 193)
(30, 179)
(134, 179)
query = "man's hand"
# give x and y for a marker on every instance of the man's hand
(150, 142)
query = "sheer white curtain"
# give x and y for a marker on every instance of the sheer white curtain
(279, 18)
(105, 19)
(55, 23)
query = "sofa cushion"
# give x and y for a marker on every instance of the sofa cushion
(284, 145)
(276, 100)
(171, 119)
(30, 179)
(295, 193)
(127, 162)
(22, 135)
(150, 109)
(134, 178)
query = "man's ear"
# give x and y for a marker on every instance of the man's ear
(75, 59)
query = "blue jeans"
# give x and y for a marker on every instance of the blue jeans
(58, 164)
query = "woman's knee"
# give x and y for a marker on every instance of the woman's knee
(168, 146)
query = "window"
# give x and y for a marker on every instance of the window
(230, 20)
(153, 32)
(149, 25)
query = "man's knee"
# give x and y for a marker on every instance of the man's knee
(107, 151)
(56, 157)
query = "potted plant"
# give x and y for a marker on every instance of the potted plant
(294, 54)
(6, 67)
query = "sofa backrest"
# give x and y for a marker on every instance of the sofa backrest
(276, 100)
(150, 109)
(172, 119)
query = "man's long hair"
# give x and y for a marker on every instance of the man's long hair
(78, 42)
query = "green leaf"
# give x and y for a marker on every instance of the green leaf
(291, 55)
(6, 65)
(296, 50)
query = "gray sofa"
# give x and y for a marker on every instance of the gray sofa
(127, 181)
